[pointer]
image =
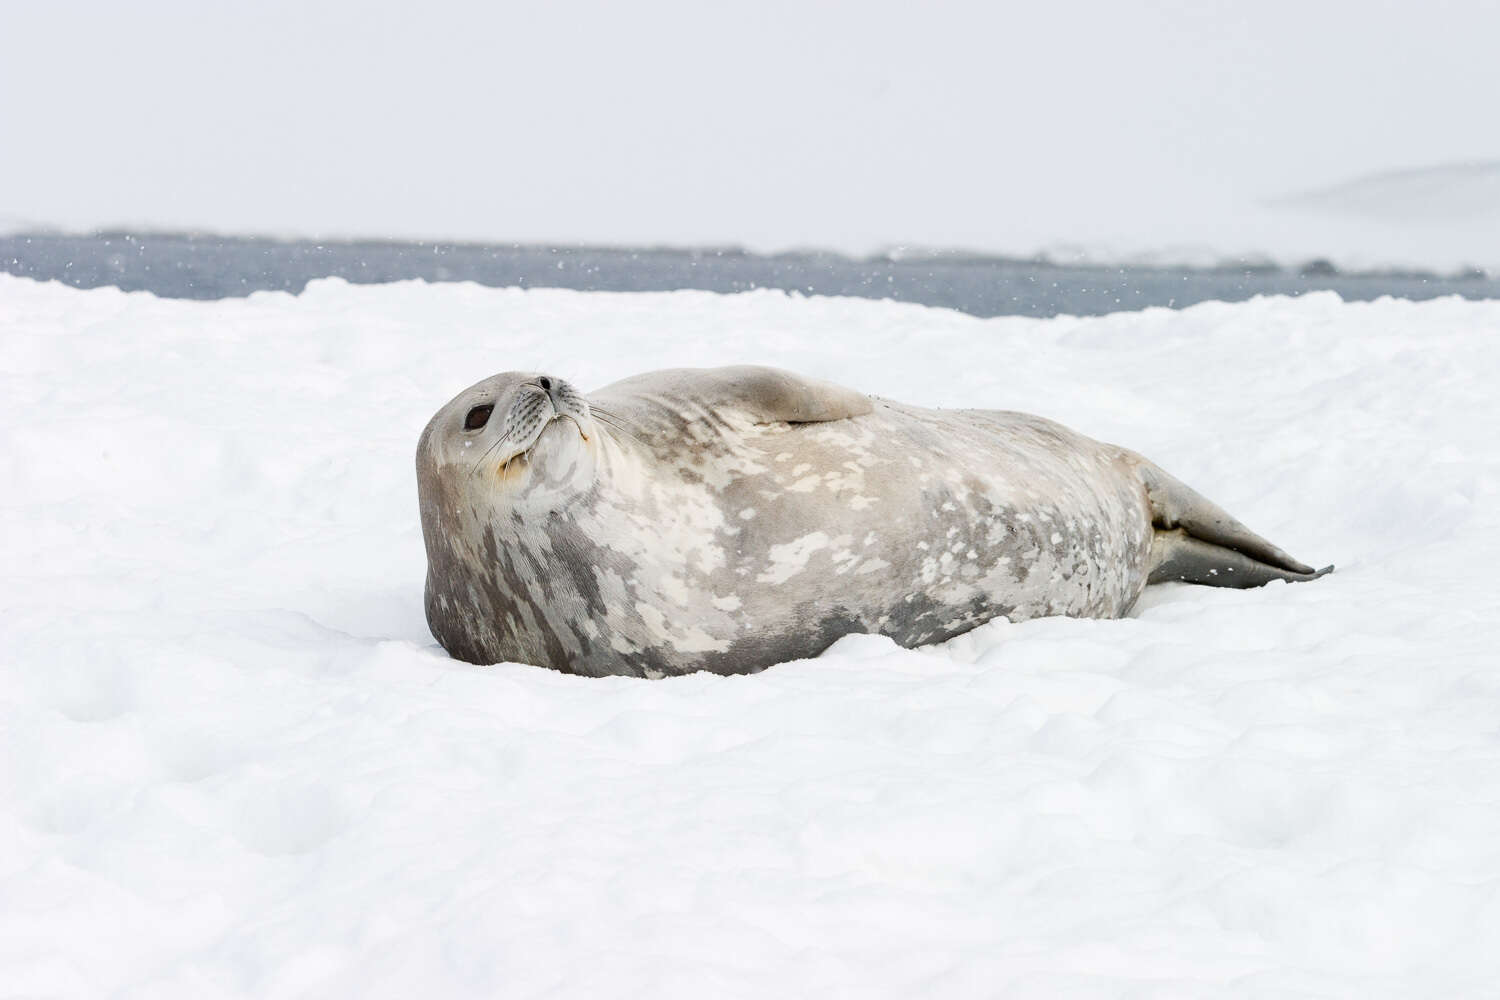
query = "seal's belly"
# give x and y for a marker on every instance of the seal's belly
(924, 527)
(915, 524)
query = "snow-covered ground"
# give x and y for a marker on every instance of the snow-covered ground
(233, 762)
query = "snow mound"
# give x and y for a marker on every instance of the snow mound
(234, 764)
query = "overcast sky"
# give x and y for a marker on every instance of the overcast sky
(985, 125)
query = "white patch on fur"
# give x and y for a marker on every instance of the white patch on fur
(675, 590)
(689, 639)
(786, 561)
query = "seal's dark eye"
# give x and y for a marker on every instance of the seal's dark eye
(478, 417)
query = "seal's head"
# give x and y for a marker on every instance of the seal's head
(515, 440)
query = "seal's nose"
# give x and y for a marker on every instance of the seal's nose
(553, 387)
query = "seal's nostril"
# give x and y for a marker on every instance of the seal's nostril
(545, 383)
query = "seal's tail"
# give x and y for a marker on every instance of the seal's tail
(1197, 541)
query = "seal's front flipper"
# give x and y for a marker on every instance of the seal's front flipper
(771, 395)
(662, 401)
(1177, 555)
(1197, 541)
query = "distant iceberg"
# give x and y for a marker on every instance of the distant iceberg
(1441, 194)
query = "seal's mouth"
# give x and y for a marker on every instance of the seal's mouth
(517, 458)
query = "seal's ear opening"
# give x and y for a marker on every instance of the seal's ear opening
(478, 417)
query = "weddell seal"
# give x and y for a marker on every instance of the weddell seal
(727, 519)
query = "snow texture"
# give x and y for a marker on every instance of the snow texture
(234, 764)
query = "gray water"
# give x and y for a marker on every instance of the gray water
(215, 267)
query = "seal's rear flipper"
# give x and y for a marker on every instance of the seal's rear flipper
(1197, 541)
(1177, 555)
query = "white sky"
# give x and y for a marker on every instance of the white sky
(992, 126)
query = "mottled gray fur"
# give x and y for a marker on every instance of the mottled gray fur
(728, 519)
